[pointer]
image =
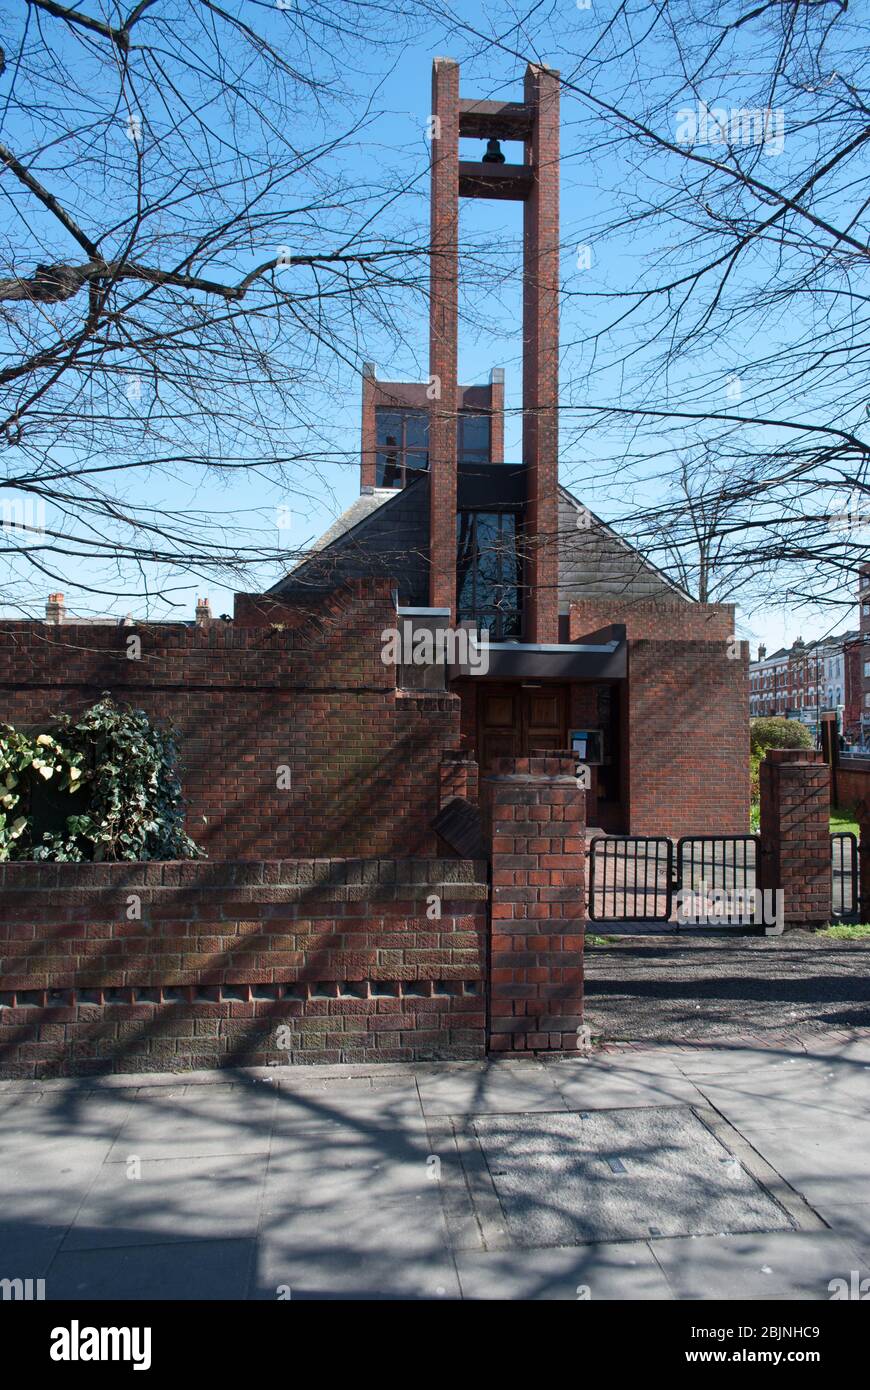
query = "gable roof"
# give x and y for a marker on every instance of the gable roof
(383, 532)
(386, 532)
(596, 562)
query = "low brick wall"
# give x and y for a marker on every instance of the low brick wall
(853, 781)
(179, 966)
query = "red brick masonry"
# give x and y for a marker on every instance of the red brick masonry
(537, 820)
(795, 836)
(686, 740)
(339, 952)
(299, 686)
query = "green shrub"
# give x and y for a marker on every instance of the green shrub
(104, 787)
(773, 732)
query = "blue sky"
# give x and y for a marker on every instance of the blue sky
(395, 146)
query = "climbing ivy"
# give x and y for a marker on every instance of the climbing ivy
(103, 787)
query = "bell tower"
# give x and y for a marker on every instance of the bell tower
(535, 183)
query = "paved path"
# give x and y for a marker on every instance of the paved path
(666, 987)
(657, 1174)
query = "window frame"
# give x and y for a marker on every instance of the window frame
(403, 450)
(467, 413)
(498, 627)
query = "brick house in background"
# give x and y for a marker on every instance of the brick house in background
(811, 679)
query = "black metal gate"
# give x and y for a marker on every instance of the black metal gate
(633, 878)
(630, 878)
(844, 874)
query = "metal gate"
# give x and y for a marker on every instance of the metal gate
(630, 878)
(633, 878)
(844, 874)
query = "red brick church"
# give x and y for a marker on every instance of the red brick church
(591, 646)
(339, 796)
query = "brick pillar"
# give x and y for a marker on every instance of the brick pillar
(795, 836)
(496, 405)
(536, 824)
(459, 777)
(368, 451)
(443, 309)
(541, 356)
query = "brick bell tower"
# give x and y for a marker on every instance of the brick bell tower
(535, 183)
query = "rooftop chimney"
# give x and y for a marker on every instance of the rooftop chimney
(55, 609)
(762, 653)
(203, 612)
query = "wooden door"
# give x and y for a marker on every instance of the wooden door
(499, 717)
(544, 718)
(512, 720)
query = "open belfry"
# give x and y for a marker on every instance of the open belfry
(535, 183)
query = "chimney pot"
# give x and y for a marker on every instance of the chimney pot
(55, 609)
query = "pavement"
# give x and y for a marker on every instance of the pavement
(638, 1172)
(659, 985)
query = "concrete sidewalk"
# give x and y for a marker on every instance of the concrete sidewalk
(659, 1173)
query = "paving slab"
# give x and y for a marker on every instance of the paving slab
(200, 1124)
(27, 1247)
(750, 1101)
(497, 1090)
(792, 1265)
(207, 1269)
(347, 1105)
(618, 1175)
(598, 1087)
(343, 1161)
(171, 1200)
(372, 1250)
(851, 1220)
(827, 1162)
(574, 1273)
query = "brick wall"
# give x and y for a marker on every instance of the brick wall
(535, 816)
(795, 838)
(656, 620)
(685, 721)
(853, 781)
(288, 685)
(179, 966)
(688, 739)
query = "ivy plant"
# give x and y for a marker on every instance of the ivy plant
(121, 770)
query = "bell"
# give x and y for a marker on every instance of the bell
(493, 153)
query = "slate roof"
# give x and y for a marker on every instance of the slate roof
(386, 531)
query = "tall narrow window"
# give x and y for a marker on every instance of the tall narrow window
(488, 573)
(402, 445)
(475, 436)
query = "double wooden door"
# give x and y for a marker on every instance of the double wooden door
(512, 720)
